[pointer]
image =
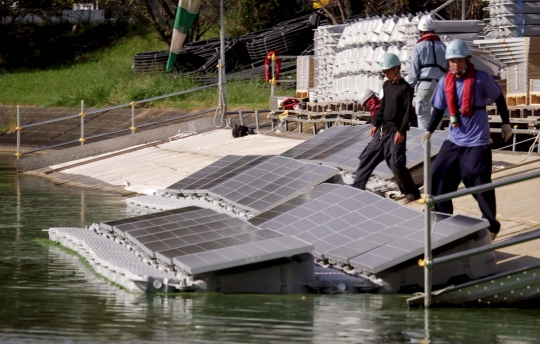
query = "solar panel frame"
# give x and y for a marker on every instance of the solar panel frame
(215, 173)
(336, 143)
(197, 231)
(314, 141)
(271, 182)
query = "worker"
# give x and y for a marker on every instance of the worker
(427, 67)
(369, 100)
(466, 154)
(389, 132)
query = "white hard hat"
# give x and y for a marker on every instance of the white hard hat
(364, 95)
(426, 24)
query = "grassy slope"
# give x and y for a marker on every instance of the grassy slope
(106, 78)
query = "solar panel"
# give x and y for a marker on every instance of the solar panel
(192, 233)
(336, 143)
(358, 228)
(314, 141)
(219, 171)
(119, 228)
(271, 182)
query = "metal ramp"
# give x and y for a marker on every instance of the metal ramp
(506, 288)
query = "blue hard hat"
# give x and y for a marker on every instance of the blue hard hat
(457, 49)
(390, 60)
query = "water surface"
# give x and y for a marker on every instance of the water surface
(47, 296)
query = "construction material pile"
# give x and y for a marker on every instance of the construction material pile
(347, 56)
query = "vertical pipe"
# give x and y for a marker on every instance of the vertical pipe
(427, 222)
(18, 128)
(286, 124)
(222, 80)
(257, 120)
(463, 9)
(82, 139)
(241, 117)
(314, 127)
(514, 143)
(273, 76)
(300, 125)
(133, 127)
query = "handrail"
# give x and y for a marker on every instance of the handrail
(120, 106)
(428, 263)
(483, 249)
(120, 130)
(482, 188)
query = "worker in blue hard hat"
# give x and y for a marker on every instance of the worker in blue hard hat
(390, 126)
(466, 154)
(428, 65)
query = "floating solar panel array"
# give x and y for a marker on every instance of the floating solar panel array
(112, 260)
(196, 240)
(512, 18)
(341, 146)
(253, 183)
(355, 228)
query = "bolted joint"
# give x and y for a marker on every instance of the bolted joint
(133, 103)
(18, 154)
(133, 128)
(427, 199)
(425, 263)
(82, 139)
(18, 128)
(82, 114)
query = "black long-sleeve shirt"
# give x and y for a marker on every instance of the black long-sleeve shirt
(396, 109)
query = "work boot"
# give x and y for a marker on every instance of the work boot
(493, 236)
(412, 197)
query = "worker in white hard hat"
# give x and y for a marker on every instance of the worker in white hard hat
(466, 154)
(428, 65)
(369, 100)
(390, 126)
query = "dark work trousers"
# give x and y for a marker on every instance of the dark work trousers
(380, 149)
(472, 165)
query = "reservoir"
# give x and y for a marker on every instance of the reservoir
(48, 296)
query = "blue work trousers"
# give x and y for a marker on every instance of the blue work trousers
(472, 165)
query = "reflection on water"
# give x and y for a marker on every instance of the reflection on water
(46, 295)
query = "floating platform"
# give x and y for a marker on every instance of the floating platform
(227, 229)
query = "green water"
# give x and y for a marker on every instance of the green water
(47, 296)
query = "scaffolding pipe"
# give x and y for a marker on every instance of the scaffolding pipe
(486, 248)
(442, 6)
(222, 79)
(18, 128)
(82, 114)
(463, 9)
(427, 223)
(485, 187)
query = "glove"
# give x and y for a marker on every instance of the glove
(506, 132)
(426, 137)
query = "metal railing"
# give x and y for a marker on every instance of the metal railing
(82, 114)
(428, 263)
